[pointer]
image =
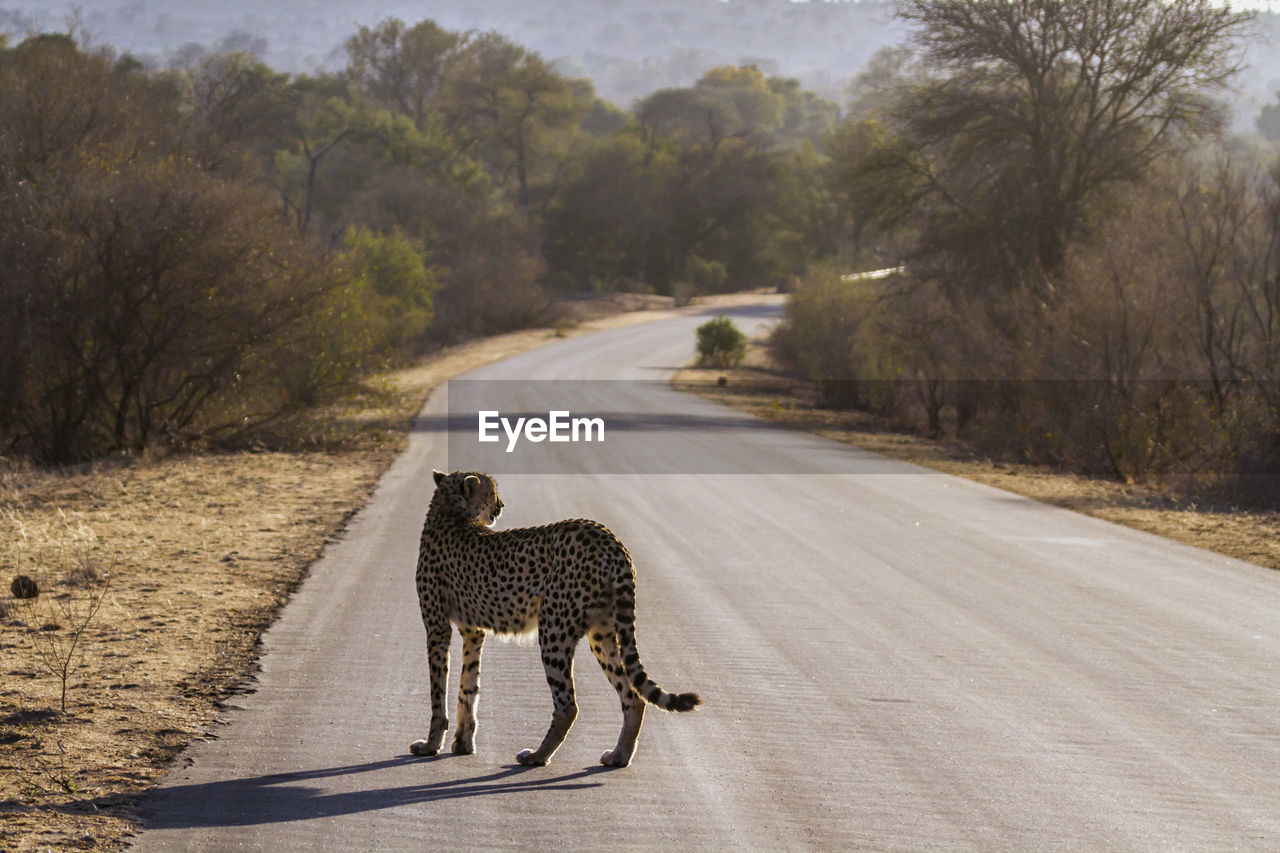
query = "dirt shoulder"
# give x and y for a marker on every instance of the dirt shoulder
(188, 558)
(756, 387)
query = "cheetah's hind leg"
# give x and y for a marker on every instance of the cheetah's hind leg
(604, 645)
(556, 641)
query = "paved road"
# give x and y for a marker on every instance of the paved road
(889, 658)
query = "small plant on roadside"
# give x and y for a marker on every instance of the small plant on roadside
(56, 623)
(53, 605)
(48, 773)
(720, 343)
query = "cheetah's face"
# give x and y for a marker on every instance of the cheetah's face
(471, 494)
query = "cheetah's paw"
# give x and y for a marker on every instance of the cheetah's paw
(422, 747)
(613, 758)
(526, 758)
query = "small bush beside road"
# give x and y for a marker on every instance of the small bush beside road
(720, 343)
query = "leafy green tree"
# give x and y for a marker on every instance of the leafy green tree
(726, 103)
(733, 209)
(601, 119)
(393, 286)
(502, 100)
(709, 145)
(738, 103)
(152, 292)
(806, 117)
(604, 216)
(706, 276)
(324, 122)
(492, 269)
(402, 67)
(714, 176)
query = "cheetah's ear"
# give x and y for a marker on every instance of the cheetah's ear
(439, 475)
(469, 486)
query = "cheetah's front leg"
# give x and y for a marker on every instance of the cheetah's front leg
(438, 635)
(464, 740)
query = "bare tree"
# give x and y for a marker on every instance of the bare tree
(237, 105)
(153, 300)
(56, 623)
(1038, 107)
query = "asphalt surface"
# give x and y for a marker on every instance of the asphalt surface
(889, 658)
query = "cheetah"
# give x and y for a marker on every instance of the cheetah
(564, 580)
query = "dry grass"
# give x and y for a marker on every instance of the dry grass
(756, 387)
(201, 550)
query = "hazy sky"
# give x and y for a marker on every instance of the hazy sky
(628, 47)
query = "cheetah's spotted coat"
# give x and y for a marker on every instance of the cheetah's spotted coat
(567, 579)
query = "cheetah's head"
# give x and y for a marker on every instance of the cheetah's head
(470, 494)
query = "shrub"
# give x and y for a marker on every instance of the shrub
(149, 302)
(392, 285)
(706, 276)
(834, 334)
(720, 343)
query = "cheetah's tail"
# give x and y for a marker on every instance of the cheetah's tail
(625, 625)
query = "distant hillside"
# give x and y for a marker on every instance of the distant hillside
(628, 47)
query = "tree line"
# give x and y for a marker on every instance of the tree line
(1088, 263)
(1090, 267)
(196, 254)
